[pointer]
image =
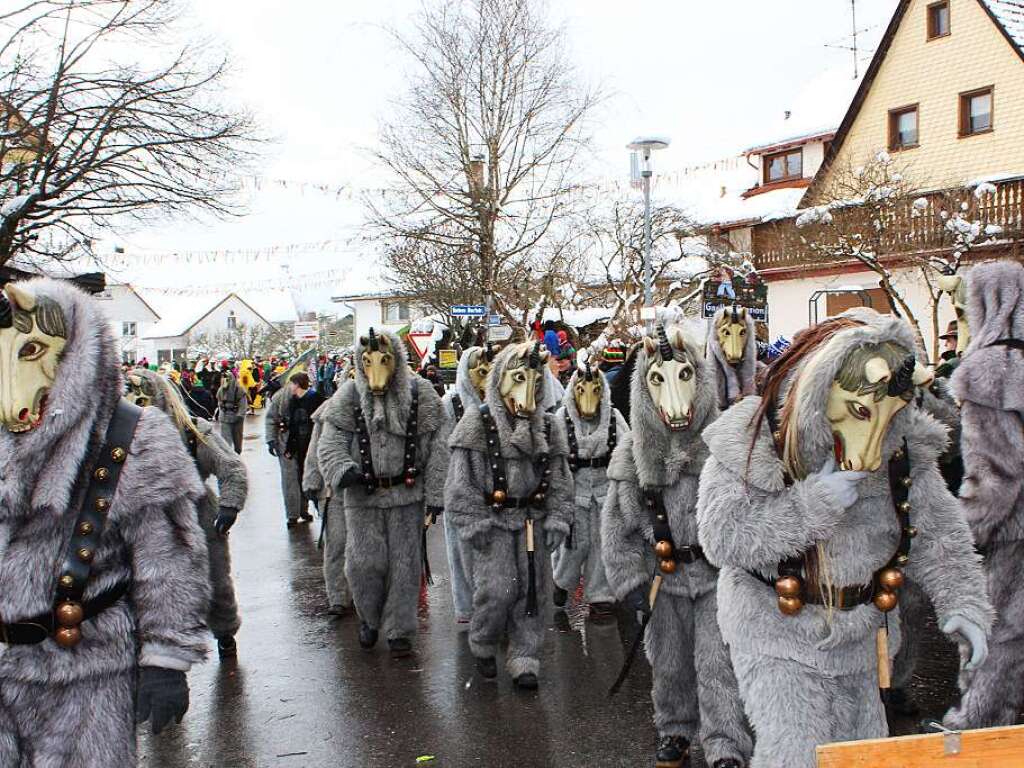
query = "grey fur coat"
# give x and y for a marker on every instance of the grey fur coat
(654, 457)
(440, 450)
(386, 418)
(469, 481)
(749, 520)
(732, 382)
(152, 537)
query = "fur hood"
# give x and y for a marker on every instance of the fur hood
(520, 438)
(733, 381)
(993, 376)
(463, 386)
(813, 429)
(660, 455)
(591, 435)
(391, 411)
(39, 468)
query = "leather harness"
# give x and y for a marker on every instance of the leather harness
(575, 462)
(499, 476)
(81, 548)
(658, 516)
(373, 483)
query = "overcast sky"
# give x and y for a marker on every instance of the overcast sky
(715, 77)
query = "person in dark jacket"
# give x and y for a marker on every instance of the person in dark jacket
(302, 403)
(198, 399)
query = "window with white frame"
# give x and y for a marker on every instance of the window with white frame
(129, 329)
(395, 311)
(232, 320)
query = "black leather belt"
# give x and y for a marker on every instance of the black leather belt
(688, 554)
(592, 463)
(384, 483)
(841, 598)
(33, 631)
(523, 502)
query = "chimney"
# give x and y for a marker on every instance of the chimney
(787, 113)
(476, 170)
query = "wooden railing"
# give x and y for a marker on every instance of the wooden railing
(909, 229)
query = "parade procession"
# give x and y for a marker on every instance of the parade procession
(361, 405)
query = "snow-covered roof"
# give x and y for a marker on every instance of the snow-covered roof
(1010, 14)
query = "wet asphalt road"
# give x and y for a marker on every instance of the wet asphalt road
(303, 693)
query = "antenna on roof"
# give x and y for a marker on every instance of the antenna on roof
(854, 46)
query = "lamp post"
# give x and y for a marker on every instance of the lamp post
(644, 146)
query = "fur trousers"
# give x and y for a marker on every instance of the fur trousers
(223, 619)
(86, 724)
(335, 581)
(794, 708)
(500, 582)
(994, 694)
(913, 615)
(694, 690)
(383, 563)
(232, 434)
(291, 489)
(584, 558)
(460, 566)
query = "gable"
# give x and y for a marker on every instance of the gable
(908, 69)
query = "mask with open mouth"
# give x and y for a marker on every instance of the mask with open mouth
(378, 359)
(587, 392)
(671, 380)
(521, 379)
(731, 331)
(32, 337)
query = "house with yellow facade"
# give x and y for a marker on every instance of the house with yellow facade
(943, 98)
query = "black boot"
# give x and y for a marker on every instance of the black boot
(367, 635)
(487, 667)
(305, 517)
(227, 648)
(400, 647)
(673, 752)
(560, 597)
(727, 762)
(602, 611)
(526, 681)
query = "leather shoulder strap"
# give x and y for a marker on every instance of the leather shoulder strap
(92, 516)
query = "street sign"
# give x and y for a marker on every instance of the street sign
(753, 295)
(306, 331)
(469, 310)
(493, 320)
(447, 358)
(420, 343)
(499, 333)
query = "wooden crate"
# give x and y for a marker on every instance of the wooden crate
(985, 748)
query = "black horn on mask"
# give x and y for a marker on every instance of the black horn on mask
(588, 372)
(374, 342)
(6, 313)
(534, 359)
(664, 348)
(735, 314)
(489, 352)
(903, 380)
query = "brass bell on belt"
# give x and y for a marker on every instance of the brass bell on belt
(788, 586)
(790, 606)
(499, 496)
(663, 548)
(410, 481)
(68, 637)
(70, 614)
(891, 579)
(885, 601)
(667, 566)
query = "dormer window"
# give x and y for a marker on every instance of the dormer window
(784, 166)
(938, 20)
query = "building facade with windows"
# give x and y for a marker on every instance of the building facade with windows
(944, 96)
(131, 318)
(380, 310)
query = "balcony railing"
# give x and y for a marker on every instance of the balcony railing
(911, 228)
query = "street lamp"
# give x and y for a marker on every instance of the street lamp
(644, 146)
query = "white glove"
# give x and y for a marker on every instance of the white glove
(973, 634)
(843, 485)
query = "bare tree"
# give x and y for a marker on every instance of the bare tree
(243, 342)
(482, 149)
(89, 136)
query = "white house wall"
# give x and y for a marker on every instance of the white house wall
(788, 301)
(217, 321)
(122, 305)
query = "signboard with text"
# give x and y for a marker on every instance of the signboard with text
(469, 310)
(306, 331)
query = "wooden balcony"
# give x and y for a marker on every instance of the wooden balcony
(781, 249)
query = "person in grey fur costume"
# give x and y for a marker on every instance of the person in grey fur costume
(232, 403)
(383, 559)
(580, 554)
(276, 436)
(498, 536)
(459, 553)
(74, 707)
(989, 383)
(212, 457)
(694, 690)
(733, 379)
(332, 513)
(811, 676)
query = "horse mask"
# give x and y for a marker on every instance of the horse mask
(378, 362)
(732, 334)
(671, 380)
(480, 367)
(521, 379)
(587, 392)
(33, 334)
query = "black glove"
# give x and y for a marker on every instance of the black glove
(272, 447)
(637, 600)
(434, 512)
(226, 517)
(349, 477)
(163, 693)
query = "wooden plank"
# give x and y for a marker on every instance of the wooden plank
(985, 748)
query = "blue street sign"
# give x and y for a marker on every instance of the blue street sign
(493, 320)
(469, 310)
